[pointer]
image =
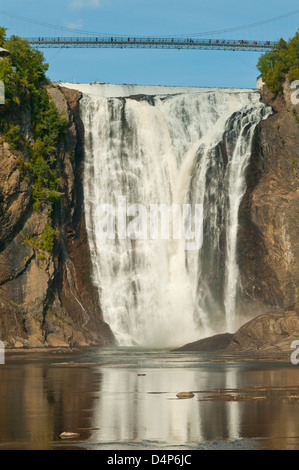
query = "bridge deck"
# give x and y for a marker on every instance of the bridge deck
(151, 43)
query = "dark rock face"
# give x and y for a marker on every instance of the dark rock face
(268, 238)
(48, 300)
(211, 344)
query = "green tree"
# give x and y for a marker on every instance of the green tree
(280, 61)
(2, 35)
(29, 62)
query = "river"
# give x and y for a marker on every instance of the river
(125, 399)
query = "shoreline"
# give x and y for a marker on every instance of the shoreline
(216, 356)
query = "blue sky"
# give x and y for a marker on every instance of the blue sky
(157, 18)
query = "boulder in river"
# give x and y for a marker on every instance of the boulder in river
(185, 395)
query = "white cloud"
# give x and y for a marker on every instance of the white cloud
(77, 4)
(74, 25)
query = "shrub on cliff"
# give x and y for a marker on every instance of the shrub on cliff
(29, 120)
(282, 60)
(44, 243)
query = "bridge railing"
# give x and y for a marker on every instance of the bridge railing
(150, 42)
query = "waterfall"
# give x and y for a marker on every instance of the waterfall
(188, 148)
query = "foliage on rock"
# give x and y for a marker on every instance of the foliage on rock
(29, 120)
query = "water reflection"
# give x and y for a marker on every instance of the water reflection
(37, 403)
(116, 401)
(137, 408)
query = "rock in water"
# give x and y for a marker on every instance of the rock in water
(69, 435)
(185, 395)
(210, 344)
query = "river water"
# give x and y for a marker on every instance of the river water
(125, 399)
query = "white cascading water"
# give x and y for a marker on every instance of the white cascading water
(174, 148)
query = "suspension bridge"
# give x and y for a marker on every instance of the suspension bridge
(151, 43)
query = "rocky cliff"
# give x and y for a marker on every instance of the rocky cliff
(269, 236)
(48, 299)
(268, 239)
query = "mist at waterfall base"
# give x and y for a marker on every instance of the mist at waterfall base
(166, 146)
